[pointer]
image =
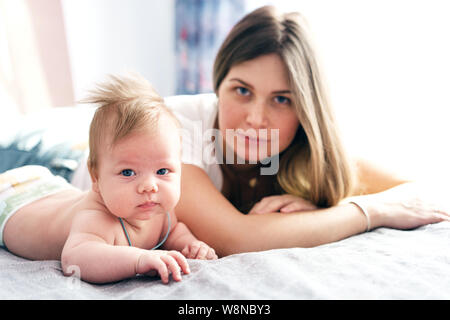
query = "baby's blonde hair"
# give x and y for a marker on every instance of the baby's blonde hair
(126, 104)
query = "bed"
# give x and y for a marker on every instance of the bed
(381, 264)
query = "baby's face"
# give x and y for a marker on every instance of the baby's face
(140, 175)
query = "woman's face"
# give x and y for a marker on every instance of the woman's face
(255, 102)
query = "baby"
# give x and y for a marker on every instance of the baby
(110, 231)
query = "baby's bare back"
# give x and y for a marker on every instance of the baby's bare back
(39, 230)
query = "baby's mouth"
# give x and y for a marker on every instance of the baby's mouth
(147, 205)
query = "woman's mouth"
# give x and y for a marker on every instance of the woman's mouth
(251, 138)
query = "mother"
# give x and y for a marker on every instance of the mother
(266, 76)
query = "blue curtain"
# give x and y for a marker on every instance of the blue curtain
(201, 26)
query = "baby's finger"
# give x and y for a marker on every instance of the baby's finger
(152, 273)
(162, 270)
(181, 260)
(172, 265)
(185, 251)
(193, 251)
(202, 252)
(211, 254)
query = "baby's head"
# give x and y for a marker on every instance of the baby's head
(135, 148)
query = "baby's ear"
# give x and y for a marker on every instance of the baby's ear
(95, 185)
(94, 178)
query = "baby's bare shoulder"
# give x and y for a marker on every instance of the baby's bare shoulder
(94, 218)
(92, 209)
(93, 224)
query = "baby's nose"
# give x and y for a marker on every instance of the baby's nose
(148, 185)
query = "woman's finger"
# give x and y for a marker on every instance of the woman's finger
(270, 204)
(443, 212)
(256, 209)
(298, 206)
(441, 216)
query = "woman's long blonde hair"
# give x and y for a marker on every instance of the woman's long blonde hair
(315, 166)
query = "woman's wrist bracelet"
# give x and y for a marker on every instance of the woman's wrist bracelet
(365, 213)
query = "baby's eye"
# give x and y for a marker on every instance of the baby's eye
(127, 173)
(282, 100)
(162, 172)
(242, 91)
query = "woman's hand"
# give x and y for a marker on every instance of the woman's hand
(285, 203)
(162, 262)
(199, 250)
(406, 206)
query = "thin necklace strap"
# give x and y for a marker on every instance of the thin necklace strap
(167, 233)
(159, 244)
(125, 231)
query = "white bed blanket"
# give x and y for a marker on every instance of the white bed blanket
(382, 264)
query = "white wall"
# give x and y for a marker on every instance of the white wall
(112, 36)
(387, 64)
(388, 69)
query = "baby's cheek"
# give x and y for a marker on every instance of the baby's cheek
(117, 204)
(172, 197)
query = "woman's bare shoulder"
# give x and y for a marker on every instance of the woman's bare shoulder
(372, 177)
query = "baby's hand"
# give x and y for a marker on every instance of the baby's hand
(162, 262)
(199, 250)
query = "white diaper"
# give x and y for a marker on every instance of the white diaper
(21, 186)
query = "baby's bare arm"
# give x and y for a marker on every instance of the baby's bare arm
(182, 239)
(90, 248)
(97, 260)
(179, 237)
(93, 252)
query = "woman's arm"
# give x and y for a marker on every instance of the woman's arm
(370, 179)
(213, 219)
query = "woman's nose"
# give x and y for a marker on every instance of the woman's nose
(148, 185)
(256, 115)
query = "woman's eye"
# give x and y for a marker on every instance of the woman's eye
(127, 173)
(162, 171)
(242, 91)
(282, 100)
